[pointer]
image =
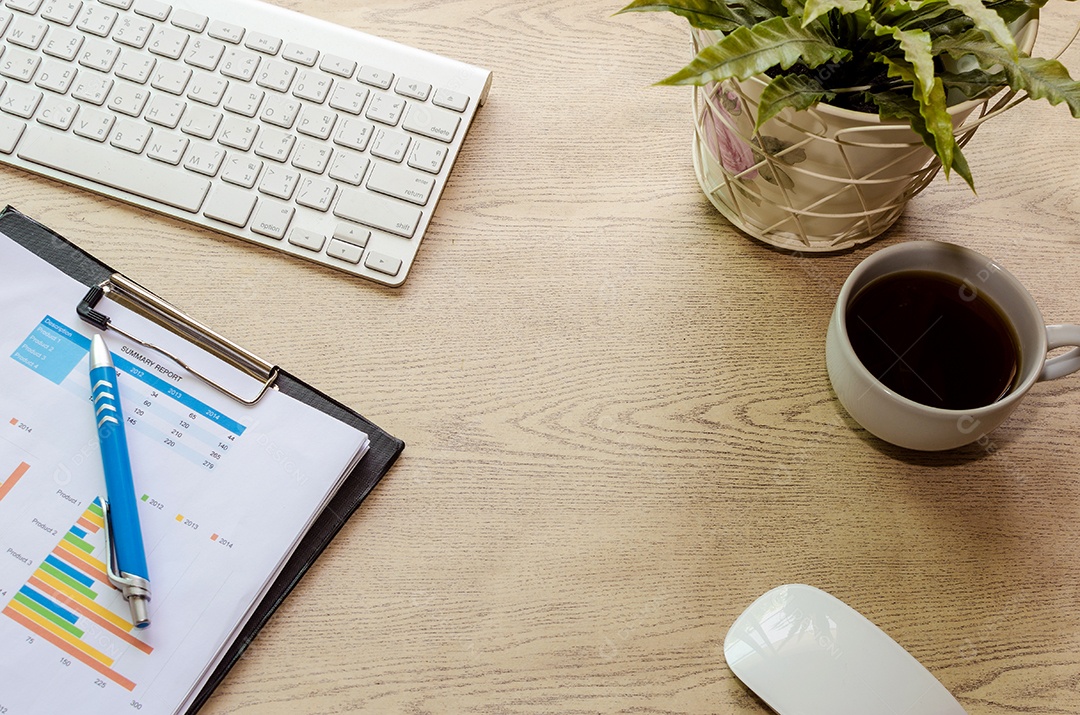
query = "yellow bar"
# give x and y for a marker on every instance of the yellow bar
(98, 564)
(60, 633)
(84, 601)
(94, 519)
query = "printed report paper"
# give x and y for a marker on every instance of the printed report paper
(225, 492)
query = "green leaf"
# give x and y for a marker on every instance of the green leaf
(894, 105)
(749, 51)
(703, 14)
(976, 83)
(989, 22)
(793, 90)
(816, 8)
(934, 118)
(1040, 78)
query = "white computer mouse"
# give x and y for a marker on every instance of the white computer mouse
(805, 652)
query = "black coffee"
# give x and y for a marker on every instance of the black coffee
(934, 340)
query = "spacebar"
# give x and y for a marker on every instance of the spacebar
(114, 168)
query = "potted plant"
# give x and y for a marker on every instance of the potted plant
(817, 120)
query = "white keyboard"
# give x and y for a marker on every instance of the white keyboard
(323, 142)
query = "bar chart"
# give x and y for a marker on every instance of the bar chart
(68, 602)
(12, 479)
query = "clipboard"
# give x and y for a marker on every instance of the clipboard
(100, 280)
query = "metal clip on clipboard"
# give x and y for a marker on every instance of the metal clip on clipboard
(131, 295)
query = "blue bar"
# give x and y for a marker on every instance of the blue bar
(78, 532)
(50, 604)
(73, 346)
(69, 570)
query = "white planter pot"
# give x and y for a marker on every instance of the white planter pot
(822, 179)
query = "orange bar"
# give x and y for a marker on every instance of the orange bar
(90, 526)
(69, 649)
(74, 605)
(87, 565)
(10, 481)
(14, 421)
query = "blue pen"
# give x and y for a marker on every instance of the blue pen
(126, 564)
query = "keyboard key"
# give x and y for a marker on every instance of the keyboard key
(98, 55)
(169, 42)
(279, 181)
(243, 100)
(225, 32)
(200, 122)
(351, 233)
(135, 66)
(128, 98)
(189, 20)
(120, 4)
(389, 145)
(63, 44)
(401, 182)
(348, 166)
(312, 156)
(237, 133)
(340, 66)
(133, 31)
(375, 77)
(240, 65)
(11, 129)
(267, 44)
(354, 134)
(275, 145)
(57, 112)
(431, 122)
(153, 9)
(344, 251)
(412, 88)
(130, 135)
(301, 55)
(272, 219)
(62, 11)
(167, 148)
(383, 263)
(120, 170)
(27, 32)
(316, 194)
(281, 111)
(171, 78)
(55, 76)
(230, 205)
(94, 125)
(348, 98)
(205, 54)
(92, 87)
(20, 100)
(207, 89)
(19, 65)
(242, 171)
(427, 156)
(27, 6)
(277, 76)
(313, 87)
(310, 240)
(164, 111)
(371, 210)
(456, 101)
(203, 158)
(97, 20)
(315, 122)
(385, 108)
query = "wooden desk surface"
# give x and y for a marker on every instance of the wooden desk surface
(620, 430)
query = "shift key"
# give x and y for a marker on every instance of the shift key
(371, 210)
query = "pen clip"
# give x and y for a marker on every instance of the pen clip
(136, 590)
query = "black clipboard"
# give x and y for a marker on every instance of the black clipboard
(382, 453)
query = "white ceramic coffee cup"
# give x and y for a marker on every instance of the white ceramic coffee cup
(904, 422)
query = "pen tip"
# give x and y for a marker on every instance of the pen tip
(99, 352)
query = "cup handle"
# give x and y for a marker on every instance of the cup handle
(1059, 336)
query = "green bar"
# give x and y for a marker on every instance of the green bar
(79, 543)
(46, 613)
(145, 497)
(67, 581)
(94, 508)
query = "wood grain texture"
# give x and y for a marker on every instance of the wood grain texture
(620, 431)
